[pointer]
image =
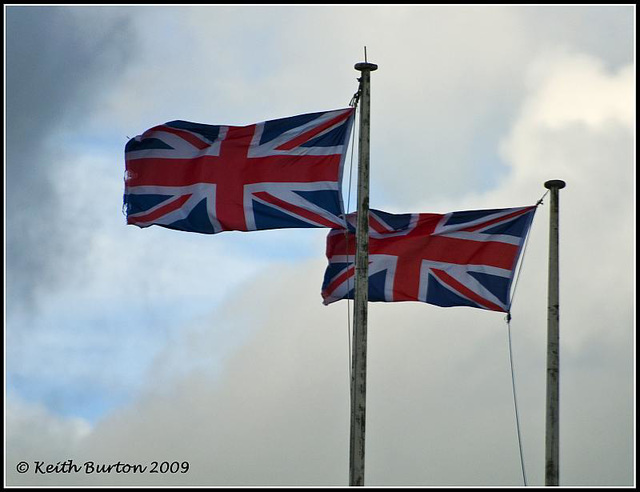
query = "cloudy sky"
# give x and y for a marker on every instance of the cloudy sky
(134, 346)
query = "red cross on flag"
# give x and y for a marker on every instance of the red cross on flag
(211, 178)
(456, 259)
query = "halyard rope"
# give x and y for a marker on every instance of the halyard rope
(513, 381)
(354, 103)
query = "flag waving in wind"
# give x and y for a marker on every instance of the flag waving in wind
(456, 259)
(206, 178)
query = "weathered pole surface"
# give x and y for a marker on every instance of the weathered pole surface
(552, 439)
(361, 296)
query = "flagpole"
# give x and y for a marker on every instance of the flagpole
(361, 296)
(552, 440)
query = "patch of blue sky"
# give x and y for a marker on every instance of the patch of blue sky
(281, 245)
(86, 360)
(441, 168)
(106, 142)
(67, 370)
(488, 168)
(90, 402)
(90, 347)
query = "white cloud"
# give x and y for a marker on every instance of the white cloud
(578, 89)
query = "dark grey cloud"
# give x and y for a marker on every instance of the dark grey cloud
(59, 64)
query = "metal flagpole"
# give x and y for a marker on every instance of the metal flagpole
(359, 356)
(552, 440)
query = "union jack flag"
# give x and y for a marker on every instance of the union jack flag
(456, 259)
(206, 178)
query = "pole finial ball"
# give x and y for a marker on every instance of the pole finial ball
(362, 66)
(555, 183)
